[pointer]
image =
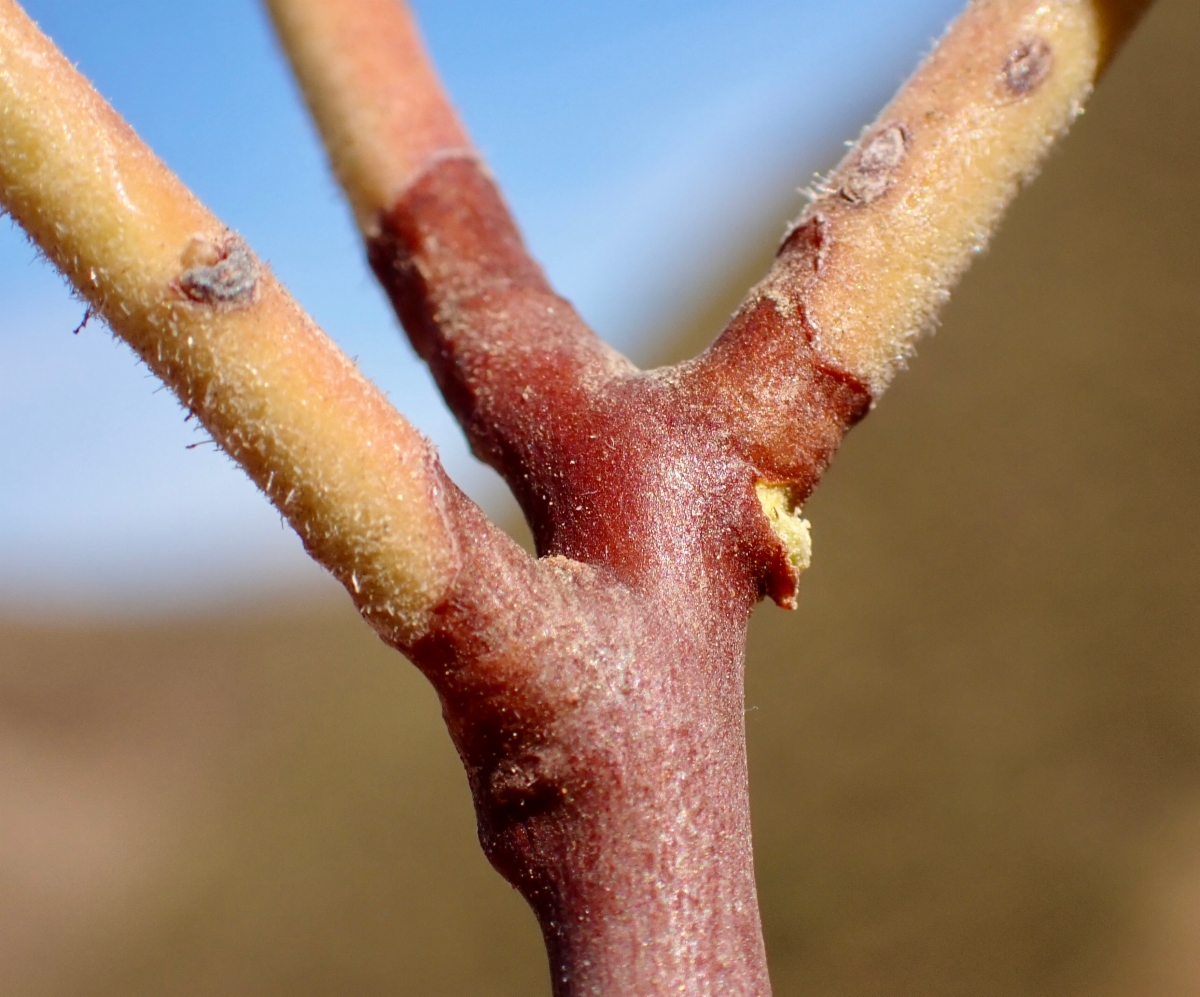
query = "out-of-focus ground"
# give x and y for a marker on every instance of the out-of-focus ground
(975, 748)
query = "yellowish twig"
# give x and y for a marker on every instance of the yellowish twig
(926, 185)
(357, 482)
(373, 91)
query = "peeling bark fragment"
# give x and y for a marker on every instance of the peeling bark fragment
(219, 273)
(783, 513)
(874, 170)
(1027, 67)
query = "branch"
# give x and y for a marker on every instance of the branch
(595, 695)
(865, 268)
(513, 359)
(361, 487)
(860, 275)
(373, 92)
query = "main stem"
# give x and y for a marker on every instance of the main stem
(601, 725)
(596, 695)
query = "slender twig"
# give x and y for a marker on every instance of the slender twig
(376, 97)
(894, 226)
(360, 486)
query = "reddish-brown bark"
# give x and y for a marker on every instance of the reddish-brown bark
(595, 695)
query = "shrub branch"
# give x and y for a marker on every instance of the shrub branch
(594, 693)
(357, 482)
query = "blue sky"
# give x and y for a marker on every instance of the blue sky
(638, 143)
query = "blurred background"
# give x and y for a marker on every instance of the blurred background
(975, 748)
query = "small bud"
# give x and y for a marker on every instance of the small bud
(874, 169)
(218, 273)
(1027, 67)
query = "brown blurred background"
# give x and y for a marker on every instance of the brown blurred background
(975, 748)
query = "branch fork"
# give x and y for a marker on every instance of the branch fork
(594, 693)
